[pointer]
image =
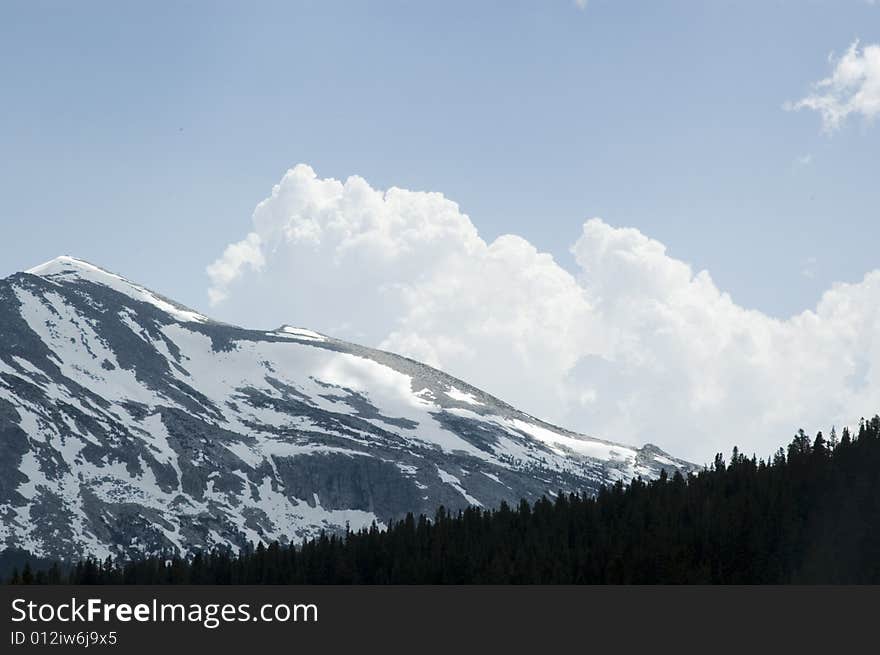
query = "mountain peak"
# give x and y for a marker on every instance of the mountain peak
(64, 264)
(66, 269)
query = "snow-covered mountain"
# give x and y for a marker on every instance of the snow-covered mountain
(130, 423)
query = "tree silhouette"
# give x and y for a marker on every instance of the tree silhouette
(811, 514)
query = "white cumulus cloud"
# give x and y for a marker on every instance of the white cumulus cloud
(635, 347)
(852, 88)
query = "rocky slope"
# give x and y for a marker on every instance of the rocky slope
(129, 423)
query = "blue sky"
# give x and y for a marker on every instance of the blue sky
(142, 138)
(136, 135)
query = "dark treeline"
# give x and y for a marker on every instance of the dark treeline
(811, 514)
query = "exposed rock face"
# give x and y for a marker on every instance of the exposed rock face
(129, 423)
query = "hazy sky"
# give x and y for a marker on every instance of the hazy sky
(142, 138)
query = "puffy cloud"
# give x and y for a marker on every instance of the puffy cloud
(236, 256)
(635, 347)
(852, 88)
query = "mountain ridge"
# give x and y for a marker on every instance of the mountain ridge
(131, 423)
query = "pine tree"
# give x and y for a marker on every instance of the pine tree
(27, 575)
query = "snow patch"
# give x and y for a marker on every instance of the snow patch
(455, 483)
(462, 397)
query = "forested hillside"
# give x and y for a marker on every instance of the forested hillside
(811, 514)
